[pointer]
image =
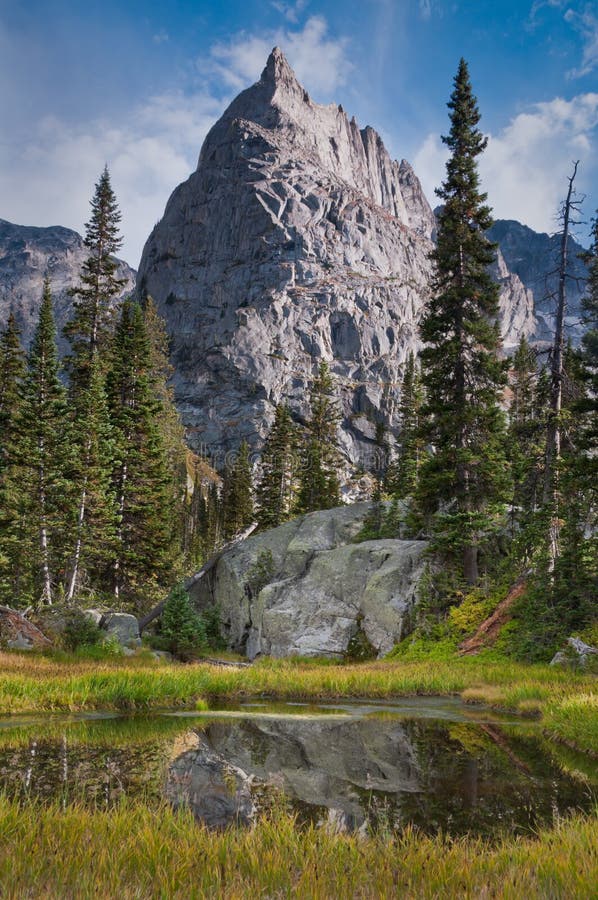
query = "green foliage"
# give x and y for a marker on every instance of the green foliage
(319, 486)
(359, 648)
(182, 632)
(45, 462)
(89, 327)
(260, 573)
(403, 472)
(80, 631)
(147, 531)
(237, 494)
(277, 486)
(464, 483)
(13, 556)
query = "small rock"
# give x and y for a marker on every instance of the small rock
(578, 653)
(124, 627)
(95, 615)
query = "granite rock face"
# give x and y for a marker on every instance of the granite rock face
(532, 257)
(297, 239)
(306, 589)
(27, 256)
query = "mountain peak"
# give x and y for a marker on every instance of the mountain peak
(278, 69)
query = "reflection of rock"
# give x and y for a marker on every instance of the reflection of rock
(350, 773)
(322, 589)
(218, 793)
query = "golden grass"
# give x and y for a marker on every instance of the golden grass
(136, 852)
(567, 702)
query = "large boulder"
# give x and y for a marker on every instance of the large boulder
(306, 588)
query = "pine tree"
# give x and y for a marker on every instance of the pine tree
(526, 429)
(88, 332)
(94, 298)
(589, 408)
(276, 488)
(464, 480)
(171, 429)
(95, 445)
(13, 559)
(147, 550)
(46, 456)
(237, 494)
(404, 471)
(319, 486)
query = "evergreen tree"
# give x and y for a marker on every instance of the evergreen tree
(147, 548)
(319, 486)
(276, 488)
(463, 483)
(237, 494)
(404, 470)
(12, 372)
(94, 298)
(527, 424)
(46, 457)
(88, 332)
(589, 408)
(171, 429)
(95, 445)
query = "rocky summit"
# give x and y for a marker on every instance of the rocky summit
(27, 256)
(297, 239)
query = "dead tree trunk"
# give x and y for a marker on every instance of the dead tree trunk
(553, 429)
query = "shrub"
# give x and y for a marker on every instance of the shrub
(182, 631)
(80, 631)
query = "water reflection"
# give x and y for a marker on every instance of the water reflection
(442, 768)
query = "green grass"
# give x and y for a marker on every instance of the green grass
(133, 851)
(566, 701)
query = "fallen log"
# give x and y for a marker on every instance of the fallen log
(193, 579)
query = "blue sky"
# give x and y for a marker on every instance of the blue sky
(138, 84)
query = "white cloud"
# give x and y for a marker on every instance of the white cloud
(291, 11)
(51, 180)
(525, 165)
(425, 9)
(320, 62)
(585, 22)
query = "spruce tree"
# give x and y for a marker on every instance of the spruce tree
(94, 297)
(320, 459)
(13, 558)
(94, 443)
(238, 494)
(276, 488)
(526, 429)
(147, 546)
(46, 458)
(88, 332)
(403, 476)
(589, 408)
(463, 483)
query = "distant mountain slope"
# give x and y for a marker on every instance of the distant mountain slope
(29, 254)
(533, 256)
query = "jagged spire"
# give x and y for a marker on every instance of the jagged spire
(277, 69)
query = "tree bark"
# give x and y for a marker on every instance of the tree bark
(553, 429)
